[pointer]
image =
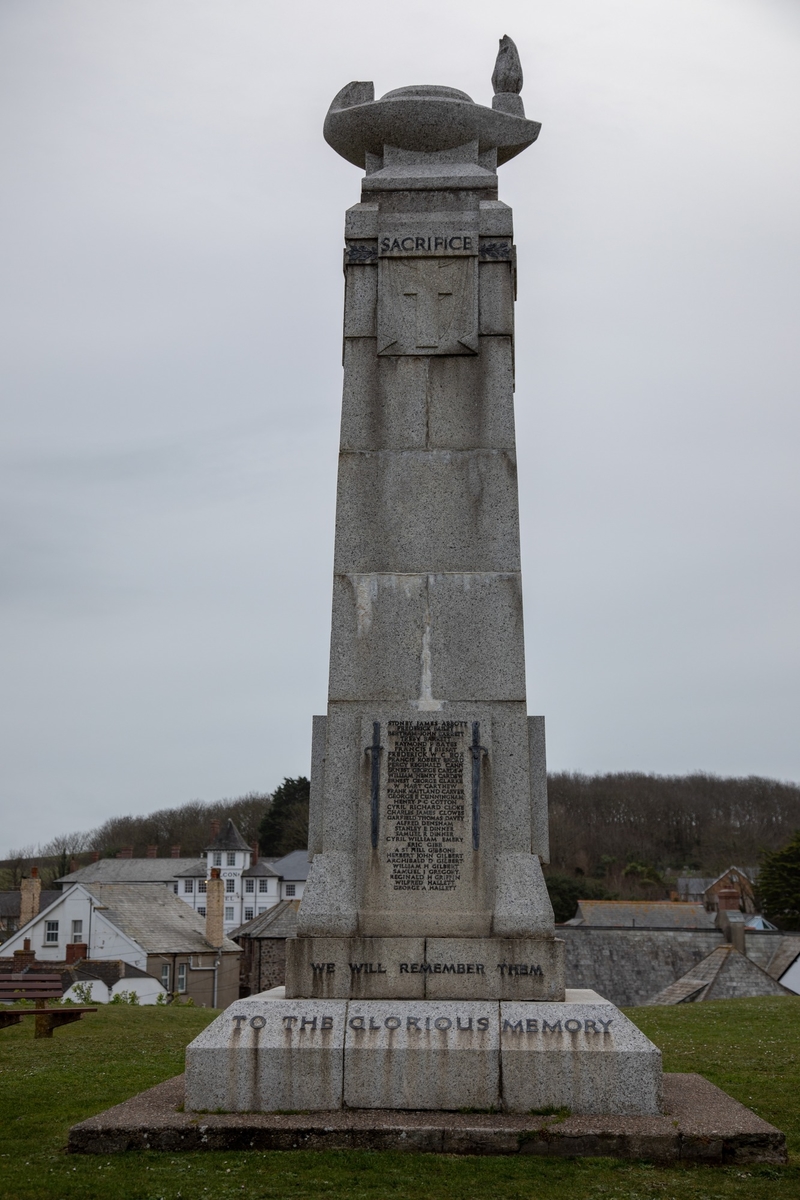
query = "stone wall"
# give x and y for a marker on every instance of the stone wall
(628, 966)
(263, 964)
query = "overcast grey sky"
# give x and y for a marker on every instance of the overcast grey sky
(170, 302)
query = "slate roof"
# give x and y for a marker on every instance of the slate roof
(263, 868)
(229, 838)
(155, 918)
(784, 955)
(293, 867)
(643, 914)
(723, 974)
(278, 922)
(132, 870)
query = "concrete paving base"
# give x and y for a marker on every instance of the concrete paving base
(700, 1124)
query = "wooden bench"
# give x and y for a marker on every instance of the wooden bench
(39, 987)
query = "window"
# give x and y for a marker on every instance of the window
(290, 889)
(181, 977)
(231, 858)
(230, 885)
(249, 885)
(51, 933)
(201, 911)
(261, 910)
(188, 885)
(263, 885)
(201, 885)
(248, 914)
(77, 931)
(229, 913)
(175, 888)
(165, 976)
(217, 858)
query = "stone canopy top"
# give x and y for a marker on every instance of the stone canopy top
(427, 119)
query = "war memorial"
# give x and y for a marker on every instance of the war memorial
(426, 980)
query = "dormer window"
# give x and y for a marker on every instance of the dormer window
(231, 858)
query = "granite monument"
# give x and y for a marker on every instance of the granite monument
(426, 973)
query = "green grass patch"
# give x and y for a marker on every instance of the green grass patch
(751, 1048)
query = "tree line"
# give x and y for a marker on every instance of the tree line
(626, 834)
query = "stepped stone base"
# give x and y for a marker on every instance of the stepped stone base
(419, 968)
(700, 1124)
(265, 1054)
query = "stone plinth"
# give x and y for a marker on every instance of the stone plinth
(263, 1055)
(426, 968)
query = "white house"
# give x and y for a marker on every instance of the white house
(144, 925)
(253, 885)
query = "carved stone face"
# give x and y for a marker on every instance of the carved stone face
(428, 306)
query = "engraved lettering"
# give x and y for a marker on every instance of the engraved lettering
(483, 1023)
(531, 1025)
(356, 1023)
(442, 1023)
(287, 1021)
(393, 1022)
(572, 1025)
(460, 1026)
(326, 1023)
(548, 1028)
(512, 1026)
(239, 1018)
(310, 1021)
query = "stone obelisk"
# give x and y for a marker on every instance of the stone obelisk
(425, 824)
(426, 973)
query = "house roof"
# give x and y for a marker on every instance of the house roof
(643, 914)
(154, 917)
(783, 956)
(696, 884)
(278, 922)
(742, 875)
(229, 838)
(132, 870)
(723, 974)
(263, 867)
(10, 902)
(293, 867)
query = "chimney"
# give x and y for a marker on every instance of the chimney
(76, 951)
(254, 859)
(215, 908)
(125, 852)
(74, 864)
(175, 851)
(728, 900)
(95, 856)
(25, 957)
(152, 851)
(30, 892)
(214, 830)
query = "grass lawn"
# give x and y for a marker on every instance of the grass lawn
(751, 1048)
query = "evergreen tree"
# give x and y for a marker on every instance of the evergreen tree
(284, 826)
(779, 883)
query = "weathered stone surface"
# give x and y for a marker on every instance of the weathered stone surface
(700, 1124)
(427, 511)
(457, 628)
(588, 1058)
(262, 1055)
(357, 968)
(540, 826)
(426, 968)
(317, 790)
(504, 968)
(405, 1054)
